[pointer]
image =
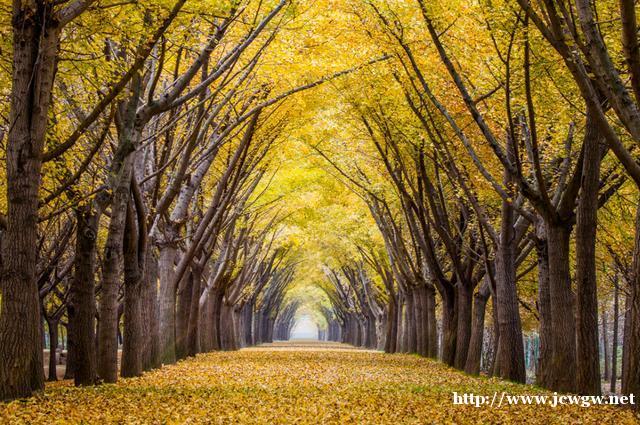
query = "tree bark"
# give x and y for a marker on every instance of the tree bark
(151, 352)
(53, 349)
(544, 307)
(472, 365)
(206, 324)
(121, 172)
(70, 361)
(167, 302)
(228, 328)
(216, 312)
(463, 330)
(493, 358)
(400, 340)
(247, 310)
(420, 326)
(108, 329)
(432, 324)
(510, 355)
(193, 328)
(510, 350)
(82, 307)
(449, 321)
(614, 348)
(410, 320)
(562, 368)
(422, 316)
(133, 338)
(183, 308)
(626, 334)
(605, 345)
(371, 330)
(391, 326)
(588, 359)
(35, 54)
(631, 381)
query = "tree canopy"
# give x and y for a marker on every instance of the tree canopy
(449, 178)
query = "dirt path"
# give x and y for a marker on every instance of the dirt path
(301, 382)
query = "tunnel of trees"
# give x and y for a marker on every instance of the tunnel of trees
(449, 179)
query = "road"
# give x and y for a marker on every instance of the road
(296, 382)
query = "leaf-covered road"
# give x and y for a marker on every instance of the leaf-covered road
(295, 383)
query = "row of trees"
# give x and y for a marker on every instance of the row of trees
(140, 140)
(486, 169)
(494, 151)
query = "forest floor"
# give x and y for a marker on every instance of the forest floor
(299, 382)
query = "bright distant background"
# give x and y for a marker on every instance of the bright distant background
(304, 328)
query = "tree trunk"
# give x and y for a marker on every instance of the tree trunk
(366, 335)
(35, 52)
(248, 323)
(432, 324)
(270, 324)
(421, 315)
(108, 330)
(472, 365)
(410, 320)
(400, 344)
(510, 355)
(372, 336)
(183, 308)
(391, 326)
(614, 348)
(562, 368)
(631, 382)
(257, 328)
(605, 344)
(626, 335)
(82, 307)
(449, 323)
(53, 350)
(167, 302)
(588, 364)
(206, 323)
(463, 329)
(193, 327)
(216, 311)
(491, 365)
(544, 307)
(238, 320)
(70, 361)
(510, 350)
(133, 338)
(151, 351)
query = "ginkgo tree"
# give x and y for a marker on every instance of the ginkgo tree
(450, 179)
